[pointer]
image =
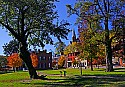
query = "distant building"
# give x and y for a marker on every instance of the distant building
(118, 50)
(45, 60)
(55, 62)
(72, 59)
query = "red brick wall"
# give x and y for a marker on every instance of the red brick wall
(47, 62)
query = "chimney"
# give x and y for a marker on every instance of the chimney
(45, 51)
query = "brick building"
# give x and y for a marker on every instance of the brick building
(45, 60)
(71, 57)
(119, 50)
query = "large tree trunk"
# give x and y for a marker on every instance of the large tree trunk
(25, 55)
(109, 65)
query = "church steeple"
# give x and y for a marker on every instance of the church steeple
(73, 36)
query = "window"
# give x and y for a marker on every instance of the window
(49, 58)
(40, 58)
(49, 65)
(44, 65)
(44, 58)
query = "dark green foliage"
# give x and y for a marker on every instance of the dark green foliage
(3, 61)
(11, 47)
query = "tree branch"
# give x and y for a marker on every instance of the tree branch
(11, 30)
(18, 24)
(22, 23)
(26, 36)
(105, 6)
(100, 8)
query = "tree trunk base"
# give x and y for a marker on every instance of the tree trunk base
(110, 69)
(43, 77)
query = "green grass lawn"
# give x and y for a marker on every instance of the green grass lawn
(96, 78)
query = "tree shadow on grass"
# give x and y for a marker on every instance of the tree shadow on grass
(119, 69)
(80, 81)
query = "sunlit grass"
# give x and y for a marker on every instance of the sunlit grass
(95, 78)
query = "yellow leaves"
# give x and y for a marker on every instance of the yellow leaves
(67, 50)
(74, 47)
(61, 61)
(114, 40)
(14, 60)
(74, 43)
(112, 34)
(86, 5)
(101, 52)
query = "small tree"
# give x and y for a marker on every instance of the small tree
(14, 60)
(34, 59)
(61, 61)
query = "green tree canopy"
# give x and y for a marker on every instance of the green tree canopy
(73, 47)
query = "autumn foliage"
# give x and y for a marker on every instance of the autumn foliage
(14, 60)
(61, 61)
(34, 59)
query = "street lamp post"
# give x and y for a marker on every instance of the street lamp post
(80, 64)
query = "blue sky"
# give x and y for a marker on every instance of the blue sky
(62, 11)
